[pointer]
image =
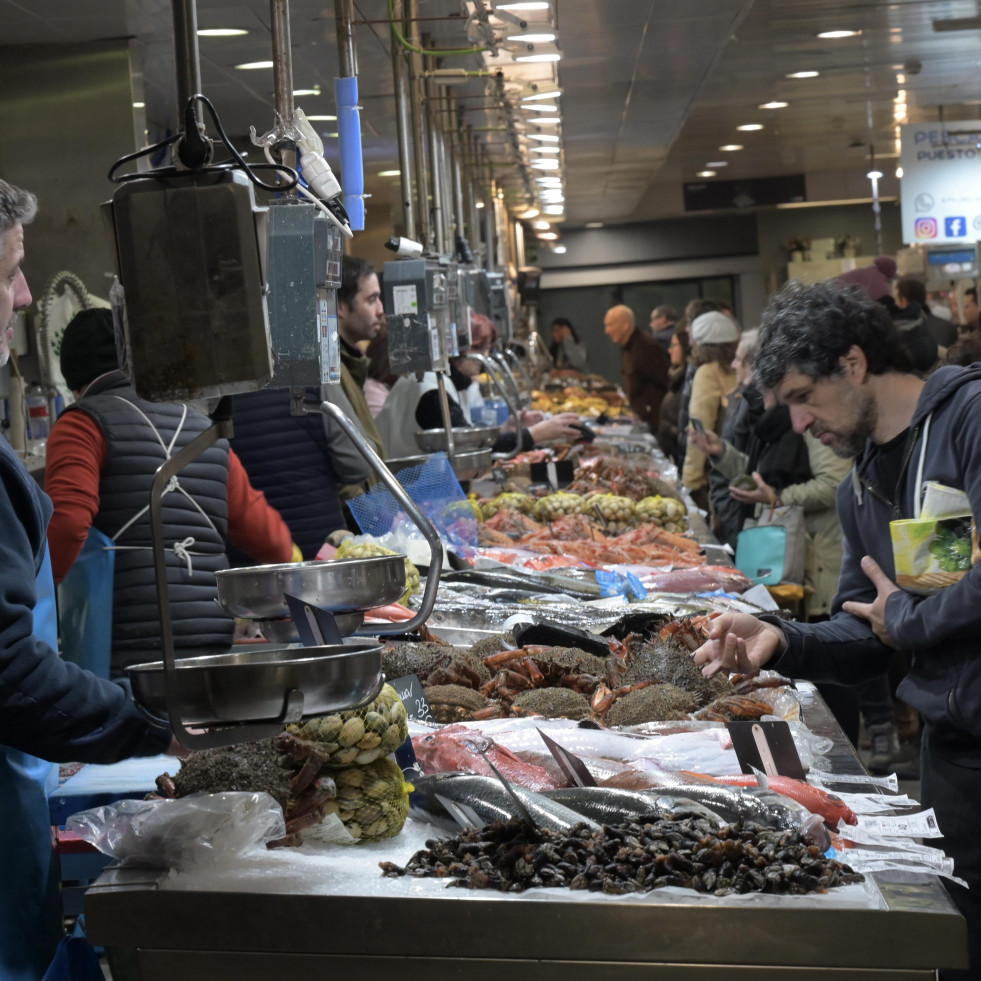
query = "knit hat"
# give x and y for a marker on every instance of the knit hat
(873, 279)
(714, 327)
(88, 347)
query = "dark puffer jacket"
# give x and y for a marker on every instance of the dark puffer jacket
(288, 459)
(139, 437)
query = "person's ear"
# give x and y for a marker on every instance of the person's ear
(854, 364)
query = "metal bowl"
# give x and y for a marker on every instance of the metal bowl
(257, 593)
(464, 438)
(252, 686)
(283, 630)
(466, 466)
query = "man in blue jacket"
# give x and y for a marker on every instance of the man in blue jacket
(834, 358)
(49, 708)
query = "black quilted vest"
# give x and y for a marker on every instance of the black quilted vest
(286, 457)
(131, 427)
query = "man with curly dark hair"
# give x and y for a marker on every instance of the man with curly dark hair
(834, 357)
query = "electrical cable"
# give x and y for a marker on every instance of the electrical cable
(436, 52)
(239, 162)
(325, 208)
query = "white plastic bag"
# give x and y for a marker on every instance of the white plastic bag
(193, 830)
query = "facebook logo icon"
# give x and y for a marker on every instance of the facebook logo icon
(955, 227)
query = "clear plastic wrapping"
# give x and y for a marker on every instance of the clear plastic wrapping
(201, 829)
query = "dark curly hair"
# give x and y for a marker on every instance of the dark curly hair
(809, 328)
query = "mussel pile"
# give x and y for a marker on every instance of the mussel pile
(637, 856)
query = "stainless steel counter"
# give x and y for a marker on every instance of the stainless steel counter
(301, 930)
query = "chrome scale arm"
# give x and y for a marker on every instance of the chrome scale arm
(411, 508)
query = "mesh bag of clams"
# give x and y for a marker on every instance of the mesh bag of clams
(372, 803)
(372, 799)
(358, 735)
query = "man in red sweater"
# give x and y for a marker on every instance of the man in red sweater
(101, 459)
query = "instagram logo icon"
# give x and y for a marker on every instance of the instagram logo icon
(925, 228)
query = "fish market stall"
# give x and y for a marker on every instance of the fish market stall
(301, 913)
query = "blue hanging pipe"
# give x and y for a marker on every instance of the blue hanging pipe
(349, 115)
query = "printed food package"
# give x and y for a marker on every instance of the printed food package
(932, 553)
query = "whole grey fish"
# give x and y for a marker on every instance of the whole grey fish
(483, 800)
(611, 805)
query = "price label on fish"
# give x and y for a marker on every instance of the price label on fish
(413, 698)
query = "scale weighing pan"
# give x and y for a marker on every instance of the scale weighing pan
(253, 686)
(464, 438)
(344, 585)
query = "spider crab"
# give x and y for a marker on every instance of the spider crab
(285, 767)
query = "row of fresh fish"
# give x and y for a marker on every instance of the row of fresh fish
(461, 799)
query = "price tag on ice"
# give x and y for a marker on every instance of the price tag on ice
(413, 698)
(920, 825)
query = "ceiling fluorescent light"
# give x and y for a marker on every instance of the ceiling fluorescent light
(802, 75)
(731, 147)
(253, 65)
(750, 127)
(554, 94)
(537, 58)
(222, 32)
(829, 35)
(532, 38)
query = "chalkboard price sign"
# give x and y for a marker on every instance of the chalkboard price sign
(413, 698)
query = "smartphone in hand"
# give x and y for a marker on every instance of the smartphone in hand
(698, 425)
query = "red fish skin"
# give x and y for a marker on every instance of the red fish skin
(453, 750)
(816, 800)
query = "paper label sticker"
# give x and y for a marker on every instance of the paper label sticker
(872, 829)
(405, 299)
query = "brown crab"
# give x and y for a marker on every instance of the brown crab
(456, 703)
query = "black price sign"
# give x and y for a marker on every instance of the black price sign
(767, 747)
(413, 698)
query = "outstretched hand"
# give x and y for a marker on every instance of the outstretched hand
(565, 425)
(875, 612)
(708, 442)
(761, 493)
(738, 642)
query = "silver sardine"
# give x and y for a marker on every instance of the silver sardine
(454, 798)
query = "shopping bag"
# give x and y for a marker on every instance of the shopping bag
(772, 547)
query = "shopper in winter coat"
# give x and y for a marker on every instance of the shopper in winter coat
(668, 429)
(50, 709)
(835, 359)
(644, 364)
(566, 349)
(102, 457)
(788, 468)
(714, 337)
